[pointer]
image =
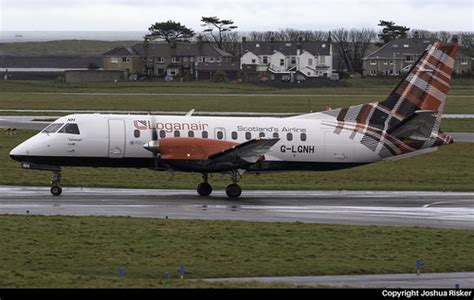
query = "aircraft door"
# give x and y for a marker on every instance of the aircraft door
(219, 133)
(116, 138)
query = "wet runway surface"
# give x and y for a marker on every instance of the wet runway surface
(392, 208)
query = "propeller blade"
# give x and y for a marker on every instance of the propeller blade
(154, 144)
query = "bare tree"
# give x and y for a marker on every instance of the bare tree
(352, 45)
(466, 40)
(261, 36)
(420, 33)
(443, 36)
(231, 42)
(287, 35)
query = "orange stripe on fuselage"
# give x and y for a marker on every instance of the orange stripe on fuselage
(192, 148)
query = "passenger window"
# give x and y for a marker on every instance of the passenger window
(190, 133)
(162, 134)
(303, 137)
(70, 129)
(53, 128)
(136, 133)
(248, 135)
(220, 135)
(205, 134)
(289, 136)
(176, 134)
(261, 134)
(276, 135)
(234, 135)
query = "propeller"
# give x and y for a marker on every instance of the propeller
(154, 145)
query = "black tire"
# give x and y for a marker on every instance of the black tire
(204, 189)
(233, 190)
(56, 190)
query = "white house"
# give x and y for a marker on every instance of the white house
(309, 58)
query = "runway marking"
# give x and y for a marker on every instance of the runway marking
(445, 202)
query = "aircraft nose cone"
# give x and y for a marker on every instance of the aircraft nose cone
(19, 151)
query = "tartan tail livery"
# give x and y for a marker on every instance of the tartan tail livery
(407, 122)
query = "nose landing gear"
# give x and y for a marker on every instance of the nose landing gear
(56, 188)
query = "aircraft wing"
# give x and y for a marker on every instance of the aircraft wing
(250, 151)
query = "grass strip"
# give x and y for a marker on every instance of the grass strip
(59, 251)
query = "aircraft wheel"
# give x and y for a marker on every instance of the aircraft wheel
(204, 189)
(56, 190)
(233, 190)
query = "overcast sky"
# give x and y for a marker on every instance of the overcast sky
(138, 15)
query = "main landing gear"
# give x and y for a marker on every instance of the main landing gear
(56, 188)
(204, 188)
(233, 190)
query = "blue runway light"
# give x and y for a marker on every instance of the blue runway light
(418, 265)
(121, 272)
(181, 271)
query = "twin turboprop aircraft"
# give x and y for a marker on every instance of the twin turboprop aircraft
(406, 123)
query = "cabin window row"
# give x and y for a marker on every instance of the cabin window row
(234, 135)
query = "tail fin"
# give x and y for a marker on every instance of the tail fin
(424, 88)
(409, 119)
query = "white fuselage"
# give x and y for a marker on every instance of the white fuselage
(122, 137)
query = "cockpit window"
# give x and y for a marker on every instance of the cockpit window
(70, 128)
(53, 128)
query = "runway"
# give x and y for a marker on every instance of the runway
(391, 208)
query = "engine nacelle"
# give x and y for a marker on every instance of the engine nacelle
(187, 148)
(153, 146)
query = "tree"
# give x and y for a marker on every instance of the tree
(219, 76)
(351, 46)
(223, 27)
(466, 40)
(287, 35)
(391, 31)
(171, 31)
(231, 43)
(443, 36)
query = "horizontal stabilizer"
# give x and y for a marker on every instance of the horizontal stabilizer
(411, 154)
(418, 126)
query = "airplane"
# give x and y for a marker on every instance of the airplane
(405, 124)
